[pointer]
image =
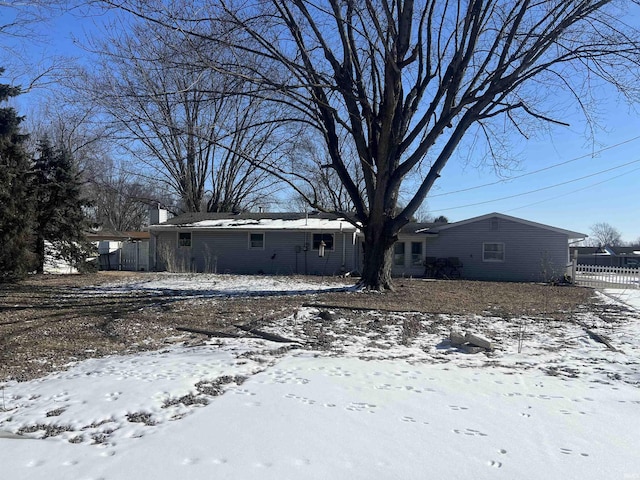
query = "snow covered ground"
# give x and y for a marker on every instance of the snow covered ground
(210, 285)
(555, 405)
(627, 296)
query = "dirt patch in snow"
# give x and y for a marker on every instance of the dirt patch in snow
(49, 322)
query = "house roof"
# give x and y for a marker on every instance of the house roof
(624, 251)
(609, 251)
(445, 226)
(590, 250)
(117, 236)
(419, 227)
(257, 221)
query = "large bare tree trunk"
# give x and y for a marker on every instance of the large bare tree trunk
(378, 257)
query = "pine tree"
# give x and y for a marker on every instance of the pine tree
(16, 198)
(60, 217)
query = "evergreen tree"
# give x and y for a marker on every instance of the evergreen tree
(16, 198)
(60, 217)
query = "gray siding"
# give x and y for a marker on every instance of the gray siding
(224, 251)
(530, 253)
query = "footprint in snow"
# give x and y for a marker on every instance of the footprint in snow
(360, 407)
(242, 391)
(456, 407)
(384, 386)
(568, 451)
(470, 432)
(110, 397)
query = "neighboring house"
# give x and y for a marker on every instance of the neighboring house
(608, 256)
(246, 243)
(121, 250)
(492, 247)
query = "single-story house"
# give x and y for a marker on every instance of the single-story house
(489, 247)
(245, 243)
(608, 256)
(121, 250)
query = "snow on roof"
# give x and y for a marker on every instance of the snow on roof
(338, 224)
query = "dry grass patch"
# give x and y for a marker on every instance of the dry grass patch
(48, 321)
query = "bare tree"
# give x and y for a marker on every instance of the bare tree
(406, 80)
(59, 117)
(323, 188)
(175, 118)
(23, 25)
(604, 234)
(119, 202)
(117, 199)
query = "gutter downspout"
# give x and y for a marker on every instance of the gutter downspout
(344, 249)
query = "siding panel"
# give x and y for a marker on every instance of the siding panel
(226, 251)
(531, 253)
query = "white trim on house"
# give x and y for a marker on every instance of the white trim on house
(329, 247)
(416, 259)
(250, 244)
(492, 257)
(181, 240)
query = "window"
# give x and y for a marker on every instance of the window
(184, 239)
(416, 254)
(493, 252)
(327, 238)
(256, 241)
(398, 254)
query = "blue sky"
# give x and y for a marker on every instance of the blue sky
(582, 182)
(610, 163)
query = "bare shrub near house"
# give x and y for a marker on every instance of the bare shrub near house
(173, 260)
(210, 260)
(549, 270)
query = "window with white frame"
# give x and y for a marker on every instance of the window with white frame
(184, 239)
(327, 238)
(493, 252)
(416, 253)
(256, 241)
(398, 254)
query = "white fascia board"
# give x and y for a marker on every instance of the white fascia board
(570, 234)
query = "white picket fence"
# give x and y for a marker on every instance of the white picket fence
(600, 276)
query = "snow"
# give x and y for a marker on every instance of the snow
(269, 224)
(627, 296)
(203, 285)
(558, 405)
